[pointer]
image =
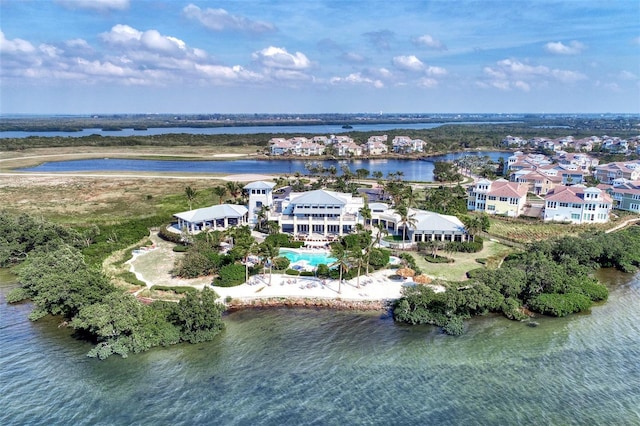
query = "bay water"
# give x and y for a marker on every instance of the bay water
(292, 366)
(412, 169)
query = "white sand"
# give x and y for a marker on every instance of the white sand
(377, 286)
(154, 266)
(247, 177)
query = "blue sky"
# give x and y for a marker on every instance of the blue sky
(136, 56)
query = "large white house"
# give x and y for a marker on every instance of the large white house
(320, 216)
(317, 213)
(577, 204)
(218, 217)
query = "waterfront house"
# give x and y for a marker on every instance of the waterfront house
(498, 197)
(213, 218)
(319, 212)
(406, 145)
(577, 204)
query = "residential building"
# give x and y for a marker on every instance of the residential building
(406, 145)
(218, 217)
(260, 196)
(607, 173)
(318, 212)
(625, 194)
(537, 182)
(498, 197)
(422, 226)
(577, 204)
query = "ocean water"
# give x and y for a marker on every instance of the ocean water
(290, 366)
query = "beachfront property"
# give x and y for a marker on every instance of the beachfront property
(212, 218)
(260, 197)
(577, 204)
(316, 214)
(421, 226)
(625, 194)
(497, 197)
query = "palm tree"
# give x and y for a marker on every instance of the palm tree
(273, 227)
(262, 216)
(381, 231)
(340, 253)
(406, 219)
(269, 252)
(234, 188)
(220, 191)
(191, 194)
(365, 212)
(356, 256)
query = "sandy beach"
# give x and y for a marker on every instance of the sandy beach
(153, 267)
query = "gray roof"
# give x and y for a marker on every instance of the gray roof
(319, 197)
(430, 221)
(260, 185)
(212, 213)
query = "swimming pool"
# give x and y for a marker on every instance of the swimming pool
(312, 259)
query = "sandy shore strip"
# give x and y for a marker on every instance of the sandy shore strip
(154, 267)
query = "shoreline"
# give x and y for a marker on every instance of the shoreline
(309, 303)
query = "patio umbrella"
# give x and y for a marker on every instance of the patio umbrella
(422, 279)
(406, 272)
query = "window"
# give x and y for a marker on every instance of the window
(575, 216)
(634, 207)
(552, 204)
(491, 207)
(492, 197)
(564, 204)
(503, 199)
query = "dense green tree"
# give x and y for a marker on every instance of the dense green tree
(58, 282)
(199, 316)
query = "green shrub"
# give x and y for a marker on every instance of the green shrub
(180, 248)
(307, 274)
(281, 263)
(379, 258)
(482, 260)
(167, 235)
(230, 275)
(292, 272)
(454, 326)
(559, 305)
(16, 295)
(173, 289)
(438, 259)
(323, 270)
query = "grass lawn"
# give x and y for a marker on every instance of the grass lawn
(493, 251)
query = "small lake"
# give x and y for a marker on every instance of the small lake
(324, 129)
(414, 170)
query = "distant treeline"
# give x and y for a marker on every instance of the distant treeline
(440, 139)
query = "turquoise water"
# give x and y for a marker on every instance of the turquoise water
(314, 258)
(290, 367)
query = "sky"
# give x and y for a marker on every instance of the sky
(313, 56)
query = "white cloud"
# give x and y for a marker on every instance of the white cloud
(221, 20)
(430, 42)
(428, 83)
(408, 63)
(77, 43)
(513, 74)
(16, 45)
(558, 48)
(627, 75)
(99, 5)
(357, 79)
(436, 71)
(636, 40)
(278, 57)
(121, 34)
